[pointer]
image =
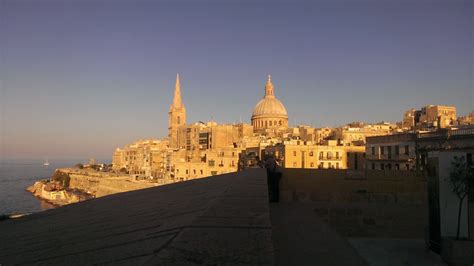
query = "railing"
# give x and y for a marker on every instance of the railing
(447, 133)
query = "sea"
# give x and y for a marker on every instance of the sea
(18, 174)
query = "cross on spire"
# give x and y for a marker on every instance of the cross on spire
(269, 88)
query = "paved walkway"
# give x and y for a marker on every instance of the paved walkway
(301, 238)
(216, 220)
(396, 252)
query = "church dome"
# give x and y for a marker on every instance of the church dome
(269, 106)
(269, 113)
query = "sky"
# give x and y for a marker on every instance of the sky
(80, 78)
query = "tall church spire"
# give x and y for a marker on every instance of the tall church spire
(269, 88)
(177, 102)
(177, 117)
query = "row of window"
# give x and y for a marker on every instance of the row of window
(212, 163)
(322, 165)
(388, 150)
(388, 166)
(259, 123)
(329, 155)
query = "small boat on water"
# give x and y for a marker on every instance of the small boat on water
(46, 163)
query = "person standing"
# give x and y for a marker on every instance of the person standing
(273, 178)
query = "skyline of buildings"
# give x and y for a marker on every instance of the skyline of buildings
(200, 149)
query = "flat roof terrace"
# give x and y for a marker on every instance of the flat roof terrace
(217, 220)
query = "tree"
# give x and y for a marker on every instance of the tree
(79, 165)
(460, 177)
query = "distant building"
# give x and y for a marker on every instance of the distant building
(269, 115)
(143, 157)
(355, 135)
(466, 120)
(208, 163)
(301, 154)
(391, 152)
(430, 117)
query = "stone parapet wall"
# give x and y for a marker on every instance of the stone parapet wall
(331, 185)
(359, 204)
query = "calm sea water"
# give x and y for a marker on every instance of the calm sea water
(16, 176)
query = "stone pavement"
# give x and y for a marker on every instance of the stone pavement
(300, 237)
(216, 220)
(394, 252)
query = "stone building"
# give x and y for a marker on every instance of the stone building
(269, 115)
(430, 116)
(301, 154)
(466, 120)
(391, 152)
(143, 157)
(352, 135)
(207, 163)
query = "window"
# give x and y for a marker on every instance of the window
(294, 164)
(312, 164)
(397, 150)
(201, 172)
(397, 166)
(321, 155)
(321, 165)
(213, 172)
(407, 150)
(337, 155)
(389, 166)
(294, 153)
(179, 120)
(311, 154)
(373, 166)
(329, 165)
(407, 166)
(211, 163)
(270, 123)
(329, 155)
(382, 150)
(382, 166)
(194, 171)
(337, 165)
(373, 150)
(187, 171)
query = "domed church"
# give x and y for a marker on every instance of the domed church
(269, 114)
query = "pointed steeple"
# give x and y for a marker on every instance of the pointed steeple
(177, 102)
(269, 88)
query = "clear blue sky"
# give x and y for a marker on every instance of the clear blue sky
(79, 78)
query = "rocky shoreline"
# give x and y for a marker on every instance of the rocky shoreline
(56, 194)
(71, 185)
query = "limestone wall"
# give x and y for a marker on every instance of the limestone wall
(331, 185)
(359, 204)
(102, 184)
